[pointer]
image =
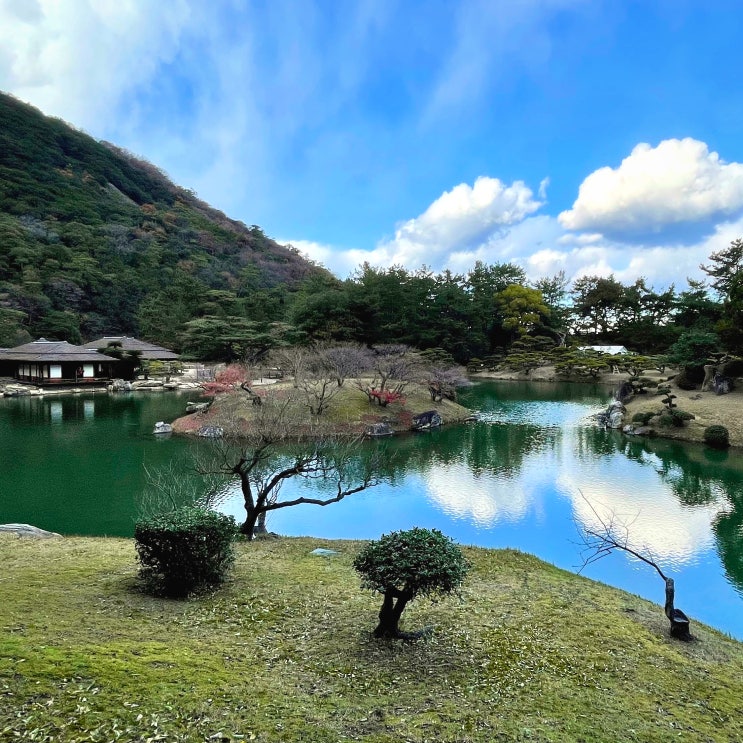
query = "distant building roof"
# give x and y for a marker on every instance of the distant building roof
(613, 350)
(147, 350)
(47, 351)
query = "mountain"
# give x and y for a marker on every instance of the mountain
(95, 241)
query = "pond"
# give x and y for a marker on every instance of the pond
(525, 476)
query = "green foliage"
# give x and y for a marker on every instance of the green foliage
(717, 437)
(674, 418)
(693, 349)
(104, 238)
(417, 562)
(522, 308)
(643, 418)
(666, 420)
(669, 398)
(184, 551)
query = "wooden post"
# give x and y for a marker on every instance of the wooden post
(679, 621)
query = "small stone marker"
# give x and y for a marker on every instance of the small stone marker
(323, 552)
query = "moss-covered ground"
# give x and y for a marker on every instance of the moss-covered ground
(283, 652)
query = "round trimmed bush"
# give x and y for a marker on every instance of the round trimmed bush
(185, 551)
(405, 564)
(717, 437)
(643, 418)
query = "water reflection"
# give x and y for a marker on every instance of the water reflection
(515, 479)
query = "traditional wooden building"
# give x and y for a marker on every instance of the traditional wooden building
(44, 362)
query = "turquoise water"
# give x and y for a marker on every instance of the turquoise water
(526, 476)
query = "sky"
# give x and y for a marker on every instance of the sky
(594, 137)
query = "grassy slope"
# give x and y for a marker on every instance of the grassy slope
(283, 653)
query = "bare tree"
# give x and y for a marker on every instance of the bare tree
(393, 367)
(613, 534)
(293, 360)
(276, 445)
(345, 361)
(443, 381)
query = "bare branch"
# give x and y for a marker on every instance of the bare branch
(612, 535)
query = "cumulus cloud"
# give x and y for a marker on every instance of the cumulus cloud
(679, 181)
(461, 219)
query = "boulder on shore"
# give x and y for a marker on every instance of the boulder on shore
(26, 530)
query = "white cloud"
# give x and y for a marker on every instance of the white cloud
(486, 500)
(464, 218)
(74, 59)
(540, 246)
(679, 181)
(664, 527)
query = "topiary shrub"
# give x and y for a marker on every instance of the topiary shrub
(185, 551)
(688, 379)
(643, 418)
(666, 420)
(732, 368)
(406, 564)
(680, 417)
(717, 437)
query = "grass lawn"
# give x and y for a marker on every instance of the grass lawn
(283, 652)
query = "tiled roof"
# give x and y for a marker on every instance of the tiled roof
(44, 350)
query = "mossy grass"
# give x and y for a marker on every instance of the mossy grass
(283, 652)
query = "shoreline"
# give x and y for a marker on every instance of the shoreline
(707, 407)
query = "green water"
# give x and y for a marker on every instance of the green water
(76, 464)
(525, 476)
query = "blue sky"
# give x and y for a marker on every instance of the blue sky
(579, 135)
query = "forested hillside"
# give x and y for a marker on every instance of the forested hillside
(94, 241)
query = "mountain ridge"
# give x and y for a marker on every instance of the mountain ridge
(95, 240)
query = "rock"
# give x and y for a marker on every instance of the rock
(147, 384)
(210, 432)
(16, 390)
(616, 418)
(722, 385)
(380, 429)
(710, 372)
(120, 385)
(424, 421)
(324, 552)
(629, 430)
(613, 417)
(162, 427)
(26, 530)
(624, 393)
(196, 407)
(644, 431)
